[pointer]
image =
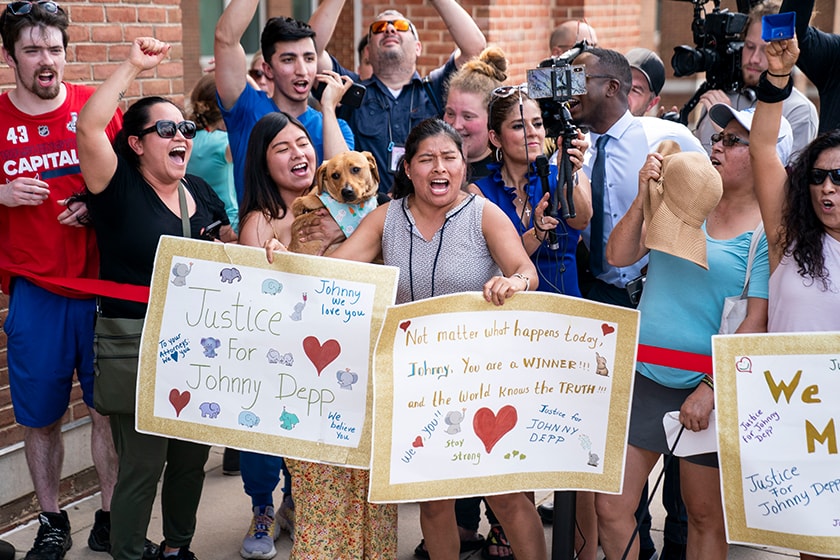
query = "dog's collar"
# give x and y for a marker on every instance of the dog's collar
(347, 216)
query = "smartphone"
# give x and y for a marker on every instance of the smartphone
(211, 232)
(634, 289)
(351, 98)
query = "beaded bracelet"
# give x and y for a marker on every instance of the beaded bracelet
(524, 279)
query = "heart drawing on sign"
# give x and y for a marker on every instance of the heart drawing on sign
(321, 354)
(418, 442)
(179, 400)
(404, 325)
(606, 329)
(490, 428)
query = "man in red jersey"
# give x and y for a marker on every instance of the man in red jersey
(43, 240)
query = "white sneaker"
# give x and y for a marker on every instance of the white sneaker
(259, 542)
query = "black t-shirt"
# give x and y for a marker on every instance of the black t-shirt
(129, 218)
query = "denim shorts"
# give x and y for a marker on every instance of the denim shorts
(49, 338)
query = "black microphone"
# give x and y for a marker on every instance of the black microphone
(541, 165)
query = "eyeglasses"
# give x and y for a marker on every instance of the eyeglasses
(23, 8)
(728, 140)
(601, 76)
(380, 26)
(817, 176)
(256, 74)
(168, 129)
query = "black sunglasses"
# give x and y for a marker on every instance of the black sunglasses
(168, 129)
(23, 8)
(256, 74)
(817, 176)
(728, 140)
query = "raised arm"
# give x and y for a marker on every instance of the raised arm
(323, 22)
(626, 244)
(768, 170)
(465, 32)
(97, 159)
(231, 63)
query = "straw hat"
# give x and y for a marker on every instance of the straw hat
(688, 189)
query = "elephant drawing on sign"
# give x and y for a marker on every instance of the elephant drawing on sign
(209, 409)
(453, 420)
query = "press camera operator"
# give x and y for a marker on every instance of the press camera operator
(797, 109)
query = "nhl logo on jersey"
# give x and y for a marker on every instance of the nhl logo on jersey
(43, 130)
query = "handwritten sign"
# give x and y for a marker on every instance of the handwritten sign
(473, 399)
(270, 358)
(778, 421)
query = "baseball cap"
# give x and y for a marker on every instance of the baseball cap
(648, 63)
(722, 113)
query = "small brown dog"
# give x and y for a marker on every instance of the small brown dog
(346, 185)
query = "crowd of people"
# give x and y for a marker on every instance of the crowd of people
(458, 151)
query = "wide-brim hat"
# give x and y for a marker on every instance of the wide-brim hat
(688, 189)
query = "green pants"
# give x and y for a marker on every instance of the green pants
(141, 460)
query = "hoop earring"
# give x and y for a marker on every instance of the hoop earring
(499, 155)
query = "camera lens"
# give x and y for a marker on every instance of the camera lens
(687, 61)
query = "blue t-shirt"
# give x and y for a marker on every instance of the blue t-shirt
(382, 121)
(682, 302)
(253, 105)
(557, 270)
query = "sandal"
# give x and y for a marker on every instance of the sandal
(466, 546)
(496, 537)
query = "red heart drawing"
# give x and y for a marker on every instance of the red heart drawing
(404, 325)
(418, 442)
(321, 354)
(179, 400)
(606, 329)
(490, 428)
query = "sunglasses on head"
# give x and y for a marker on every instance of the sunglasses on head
(168, 129)
(507, 91)
(380, 26)
(23, 8)
(728, 140)
(256, 74)
(817, 176)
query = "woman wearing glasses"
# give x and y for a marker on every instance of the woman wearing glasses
(516, 131)
(136, 198)
(801, 211)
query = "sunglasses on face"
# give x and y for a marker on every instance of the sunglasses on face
(817, 176)
(728, 140)
(23, 8)
(168, 129)
(256, 74)
(380, 26)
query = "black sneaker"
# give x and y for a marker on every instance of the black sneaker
(184, 553)
(100, 534)
(150, 550)
(53, 539)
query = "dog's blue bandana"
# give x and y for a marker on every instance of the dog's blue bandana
(347, 216)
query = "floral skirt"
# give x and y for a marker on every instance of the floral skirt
(333, 518)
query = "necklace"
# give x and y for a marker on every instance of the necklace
(526, 208)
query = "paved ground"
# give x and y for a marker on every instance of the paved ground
(224, 517)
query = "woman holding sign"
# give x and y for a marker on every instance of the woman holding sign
(801, 211)
(445, 241)
(140, 192)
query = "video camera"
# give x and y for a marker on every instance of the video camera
(553, 84)
(718, 39)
